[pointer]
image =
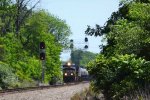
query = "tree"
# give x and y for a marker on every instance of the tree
(22, 13)
(131, 35)
(116, 71)
(13, 15)
(82, 58)
(127, 30)
(19, 42)
(34, 31)
(6, 16)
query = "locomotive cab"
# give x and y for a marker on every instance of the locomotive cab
(69, 73)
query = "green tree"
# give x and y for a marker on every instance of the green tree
(127, 30)
(21, 53)
(116, 71)
(6, 16)
(13, 15)
(41, 30)
(40, 23)
(82, 58)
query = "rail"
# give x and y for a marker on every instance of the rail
(26, 89)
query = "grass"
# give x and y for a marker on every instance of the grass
(140, 94)
(87, 94)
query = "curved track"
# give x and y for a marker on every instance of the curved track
(18, 90)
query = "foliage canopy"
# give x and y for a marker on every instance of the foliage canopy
(123, 64)
(21, 31)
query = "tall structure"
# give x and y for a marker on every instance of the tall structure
(85, 47)
(42, 58)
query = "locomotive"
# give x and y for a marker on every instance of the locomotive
(69, 72)
(74, 73)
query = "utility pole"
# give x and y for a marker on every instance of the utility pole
(71, 47)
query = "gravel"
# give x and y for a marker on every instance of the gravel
(61, 93)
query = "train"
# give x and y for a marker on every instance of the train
(70, 73)
(83, 74)
(74, 73)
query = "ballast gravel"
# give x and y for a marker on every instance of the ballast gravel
(61, 93)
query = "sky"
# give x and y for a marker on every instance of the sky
(78, 14)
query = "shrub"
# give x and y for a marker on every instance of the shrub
(7, 78)
(115, 76)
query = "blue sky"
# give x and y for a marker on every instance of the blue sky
(80, 13)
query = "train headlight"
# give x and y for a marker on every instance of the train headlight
(71, 74)
(69, 64)
(65, 74)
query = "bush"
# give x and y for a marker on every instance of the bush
(7, 78)
(84, 95)
(28, 70)
(87, 94)
(116, 76)
(139, 94)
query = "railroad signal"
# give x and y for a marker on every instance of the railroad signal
(86, 46)
(42, 50)
(42, 45)
(42, 56)
(71, 40)
(86, 39)
(71, 44)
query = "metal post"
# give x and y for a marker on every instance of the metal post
(43, 70)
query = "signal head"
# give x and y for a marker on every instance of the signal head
(42, 45)
(86, 39)
(86, 46)
(42, 56)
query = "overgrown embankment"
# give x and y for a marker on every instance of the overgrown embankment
(21, 31)
(124, 63)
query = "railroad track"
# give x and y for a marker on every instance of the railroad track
(26, 89)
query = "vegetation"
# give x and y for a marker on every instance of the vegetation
(21, 31)
(116, 76)
(123, 64)
(82, 58)
(87, 94)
